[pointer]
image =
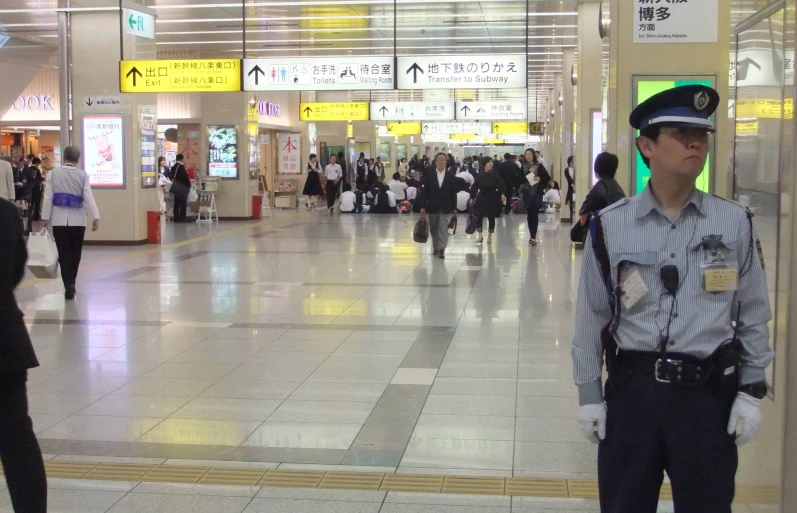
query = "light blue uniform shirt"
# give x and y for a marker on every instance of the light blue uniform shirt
(638, 232)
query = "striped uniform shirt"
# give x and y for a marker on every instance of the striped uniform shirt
(641, 235)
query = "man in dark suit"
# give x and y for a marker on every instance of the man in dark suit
(439, 199)
(511, 174)
(19, 450)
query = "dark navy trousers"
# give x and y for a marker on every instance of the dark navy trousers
(654, 427)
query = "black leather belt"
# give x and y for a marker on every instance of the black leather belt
(670, 368)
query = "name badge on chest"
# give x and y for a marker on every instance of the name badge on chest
(719, 267)
(633, 289)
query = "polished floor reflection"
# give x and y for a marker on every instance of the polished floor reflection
(316, 342)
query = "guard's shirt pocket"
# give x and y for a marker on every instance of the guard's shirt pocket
(636, 272)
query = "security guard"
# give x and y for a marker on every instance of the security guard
(673, 297)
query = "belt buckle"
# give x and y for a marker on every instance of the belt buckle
(670, 363)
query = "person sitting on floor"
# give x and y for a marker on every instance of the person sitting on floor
(552, 196)
(385, 201)
(350, 203)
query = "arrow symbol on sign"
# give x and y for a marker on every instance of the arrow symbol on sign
(133, 71)
(465, 110)
(132, 22)
(425, 128)
(308, 111)
(497, 128)
(383, 110)
(89, 102)
(257, 71)
(414, 69)
(389, 128)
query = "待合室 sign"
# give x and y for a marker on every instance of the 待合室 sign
(510, 127)
(751, 67)
(318, 73)
(492, 110)
(400, 129)
(461, 71)
(339, 111)
(138, 23)
(409, 111)
(103, 150)
(456, 128)
(675, 21)
(180, 76)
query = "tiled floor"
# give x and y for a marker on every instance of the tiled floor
(310, 341)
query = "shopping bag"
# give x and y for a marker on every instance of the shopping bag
(470, 226)
(42, 255)
(421, 232)
(179, 190)
(192, 196)
(452, 225)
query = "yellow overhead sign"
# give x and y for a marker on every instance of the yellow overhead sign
(404, 128)
(764, 108)
(747, 127)
(493, 141)
(180, 76)
(464, 137)
(358, 111)
(510, 127)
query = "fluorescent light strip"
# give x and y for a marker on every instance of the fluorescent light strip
(328, 3)
(51, 11)
(355, 40)
(363, 29)
(300, 49)
(499, 17)
(19, 25)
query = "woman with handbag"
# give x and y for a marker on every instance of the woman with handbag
(488, 196)
(180, 189)
(532, 192)
(67, 200)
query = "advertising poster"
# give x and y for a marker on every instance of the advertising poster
(149, 159)
(223, 146)
(254, 152)
(103, 150)
(401, 152)
(363, 147)
(383, 151)
(416, 150)
(646, 89)
(290, 154)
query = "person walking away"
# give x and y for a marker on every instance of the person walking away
(37, 187)
(398, 187)
(312, 186)
(510, 174)
(7, 189)
(533, 191)
(604, 193)
(180, 175)
(344, 168)
(570, 177)
(333, 174)
(488, 199)
(19, 449)
(439, 198)
(685, 383)
(67, 200)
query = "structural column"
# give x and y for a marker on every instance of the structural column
(668, 62)
(589, 93)
(95, 73)
(568, 109)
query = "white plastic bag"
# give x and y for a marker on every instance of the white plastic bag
(42, 255)
(192, 196)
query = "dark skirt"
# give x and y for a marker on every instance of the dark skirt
(312, 187)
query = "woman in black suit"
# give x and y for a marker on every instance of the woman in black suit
(488, 196)
(180, 175)
(533, 191)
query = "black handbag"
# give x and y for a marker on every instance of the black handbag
(179, 190)
(578, 233)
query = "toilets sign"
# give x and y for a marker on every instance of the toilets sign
(462, 71)
(318, 74)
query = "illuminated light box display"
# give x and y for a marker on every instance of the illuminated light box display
(103, 150)
(223, 146)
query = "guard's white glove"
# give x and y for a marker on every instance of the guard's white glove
(592, 417)
(747, 409)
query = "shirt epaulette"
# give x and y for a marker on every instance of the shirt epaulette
(614, 205)
(732, 202)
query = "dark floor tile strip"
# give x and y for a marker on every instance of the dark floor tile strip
(190, 256)
(388, 429)
(86, 322)
(429, 349)
(192, 452)
(121, 277)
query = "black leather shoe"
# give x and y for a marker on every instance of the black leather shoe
(70, 293)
